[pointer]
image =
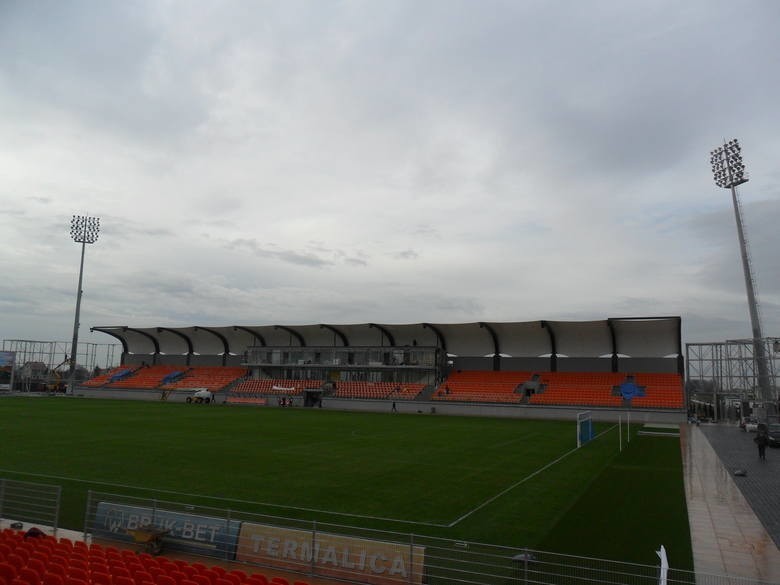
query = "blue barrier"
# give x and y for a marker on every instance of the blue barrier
(120, 375)
(172, 377)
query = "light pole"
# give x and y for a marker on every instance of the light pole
(729, 171)
(84, 230)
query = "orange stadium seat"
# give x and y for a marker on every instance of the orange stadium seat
(213, 378)
(561, 388)
(105, 378)
(482, 386)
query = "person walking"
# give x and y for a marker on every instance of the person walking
(393, 409)
(762, 440)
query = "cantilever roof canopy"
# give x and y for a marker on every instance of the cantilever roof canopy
(648, 337)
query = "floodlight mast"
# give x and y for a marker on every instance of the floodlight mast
(83, 230)
(729, 172)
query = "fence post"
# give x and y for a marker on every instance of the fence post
(411, 558)
(525, 566)
(57, 509)
(313, 551)
(86, 513)
(226, 535)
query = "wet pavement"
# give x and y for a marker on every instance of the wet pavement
(734, 521)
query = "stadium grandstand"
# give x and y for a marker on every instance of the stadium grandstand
(613, 363)
(555, 370)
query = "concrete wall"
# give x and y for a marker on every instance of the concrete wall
(437, 408)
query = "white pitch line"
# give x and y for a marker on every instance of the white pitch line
(202, 496)
(315, 510)
(522, 481)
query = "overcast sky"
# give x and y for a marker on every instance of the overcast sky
(396, 162)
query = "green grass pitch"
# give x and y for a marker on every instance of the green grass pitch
(507, 482)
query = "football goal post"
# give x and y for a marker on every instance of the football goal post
(585, 431)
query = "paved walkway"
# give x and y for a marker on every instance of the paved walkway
(726, 512)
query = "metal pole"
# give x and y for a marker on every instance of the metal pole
(75, 343)
(411, 558)
(755, 322)
(525, 566)
(86, 514)
(83, 230)
(57, 509)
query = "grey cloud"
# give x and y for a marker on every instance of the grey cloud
(460, 306)
(314, 256)
(97, 61)
(290, 256)
(487, 143)
(722, 266)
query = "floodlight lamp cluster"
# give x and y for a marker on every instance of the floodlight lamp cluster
(84, 230)
(727, 166)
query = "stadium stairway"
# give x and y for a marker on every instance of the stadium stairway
(427, 393)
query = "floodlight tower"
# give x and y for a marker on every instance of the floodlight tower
(84, 230)
(729, 172)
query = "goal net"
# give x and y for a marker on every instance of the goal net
(584, 428)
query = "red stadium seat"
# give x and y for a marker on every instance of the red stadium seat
(15, 561)
(52, 579)
(29, 576)
(201, 579)
(142, 576)
(36, 564)
(100, 578)
(78, 563)
(58, 567)
(165, 580)
(7, 571)
(122, 580)
(120, 571)
(177, 575)
(189, 570)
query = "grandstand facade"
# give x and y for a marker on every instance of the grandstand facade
(611, 363)
(646, 344)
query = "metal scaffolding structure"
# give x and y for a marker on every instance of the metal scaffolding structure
(48, 362)
(730, 370)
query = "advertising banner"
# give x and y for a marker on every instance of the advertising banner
(7, 362)
(331, 555)
(205, 535)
